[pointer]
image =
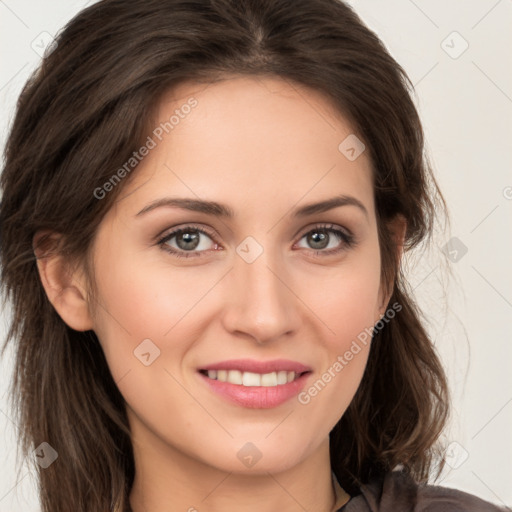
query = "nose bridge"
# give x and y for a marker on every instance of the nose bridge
(260, 303)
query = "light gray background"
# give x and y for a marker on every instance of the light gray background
(465, 100)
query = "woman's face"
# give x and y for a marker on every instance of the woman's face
(282, 287)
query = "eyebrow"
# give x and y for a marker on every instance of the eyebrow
(221, 210)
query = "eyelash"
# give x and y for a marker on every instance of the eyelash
(347, 238)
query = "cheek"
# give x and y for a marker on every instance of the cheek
(347, 301)
(131, 306)
(349, 317)
(143, 298)
(347, 306)
(140, 302)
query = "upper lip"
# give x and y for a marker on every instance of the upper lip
(254, 366)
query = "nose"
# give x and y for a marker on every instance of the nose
(261, 303)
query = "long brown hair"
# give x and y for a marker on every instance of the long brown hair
(81, 116)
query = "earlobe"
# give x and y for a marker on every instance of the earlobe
(64, 287)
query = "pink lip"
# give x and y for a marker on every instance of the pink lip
(251, 365)
(257, 397)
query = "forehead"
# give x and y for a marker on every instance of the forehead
(250, 142)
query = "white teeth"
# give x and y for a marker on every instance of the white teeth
(282, 377)
(251, 379)
(269, 379)
(235, 376)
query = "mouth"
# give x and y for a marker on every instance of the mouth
(256, 384)
(252, 379)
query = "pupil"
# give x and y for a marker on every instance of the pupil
(190, 239)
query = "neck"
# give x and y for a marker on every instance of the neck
(168, 479)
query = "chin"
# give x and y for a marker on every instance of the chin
(259, 457)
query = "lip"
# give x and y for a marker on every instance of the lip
(256, 397)
(254, 366)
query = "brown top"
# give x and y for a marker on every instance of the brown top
(398, 492)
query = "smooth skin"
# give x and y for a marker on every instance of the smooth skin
(264, 147)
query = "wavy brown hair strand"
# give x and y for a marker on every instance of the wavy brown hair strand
(81, 116)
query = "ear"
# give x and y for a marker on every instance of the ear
(397, 228)
(64, 286)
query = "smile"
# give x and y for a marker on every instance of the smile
(251, 379)
(255, 384)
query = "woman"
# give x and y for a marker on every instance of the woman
(205, 205)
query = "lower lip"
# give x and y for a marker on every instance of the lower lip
(257, 397)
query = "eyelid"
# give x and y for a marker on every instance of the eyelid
(323, 225)
(183, 227)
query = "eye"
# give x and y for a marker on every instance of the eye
(328, 239)
(188, 241)
(193, 241)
